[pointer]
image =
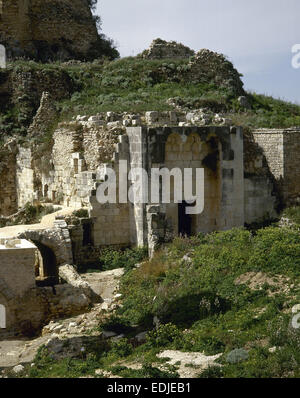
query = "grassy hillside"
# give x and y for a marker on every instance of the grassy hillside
(228, 293)
(134, 85)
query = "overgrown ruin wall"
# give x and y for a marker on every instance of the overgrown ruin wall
(240, 188)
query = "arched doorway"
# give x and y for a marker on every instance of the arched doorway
(46, 266)
(191, 152)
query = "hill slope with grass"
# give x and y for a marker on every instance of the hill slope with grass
(216, 305)
(135, 84)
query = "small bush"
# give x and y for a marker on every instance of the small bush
(113, 259)
(212, 372)
(81, 213)
(164, 335)
(293, 213)
(121, 348)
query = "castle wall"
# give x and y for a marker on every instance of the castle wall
(113, 222)
(242, 174)
(291, 143)
(259, 199)
(232, 157)
(271, 141)
(218, 150)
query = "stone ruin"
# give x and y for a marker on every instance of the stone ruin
(28, 305)
(246, 177)
(162, 49)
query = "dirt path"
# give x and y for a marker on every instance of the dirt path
(15, 351)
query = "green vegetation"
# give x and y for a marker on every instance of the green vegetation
(227, 292)
(137, 85)
(134, 84)
(267, 112)
(81, 213)
(98, 354)
(222, 315)
(293, 214)
(111, 258)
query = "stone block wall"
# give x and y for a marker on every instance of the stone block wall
(271, 141)
(219, 150)
(112, 221)
(232, 160)
(291, 145)
(281, 149)
(17, 265)
(260, 200)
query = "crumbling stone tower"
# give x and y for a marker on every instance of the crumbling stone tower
(49, 29)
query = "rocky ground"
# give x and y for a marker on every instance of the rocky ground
(14, 352)
(68, 337)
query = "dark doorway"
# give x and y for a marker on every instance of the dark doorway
(184, 220)
(48, 273)
(87, 234)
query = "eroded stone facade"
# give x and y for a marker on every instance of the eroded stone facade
(246, 177)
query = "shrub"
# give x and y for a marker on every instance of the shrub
(293, 213)
(112, 259)
(164, 335)
(121, 348)
(212, 372)
(81, 213)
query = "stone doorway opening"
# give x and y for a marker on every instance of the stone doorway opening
(46, 271)
(185, 221)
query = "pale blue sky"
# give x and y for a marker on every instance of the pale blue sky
(256, 35)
